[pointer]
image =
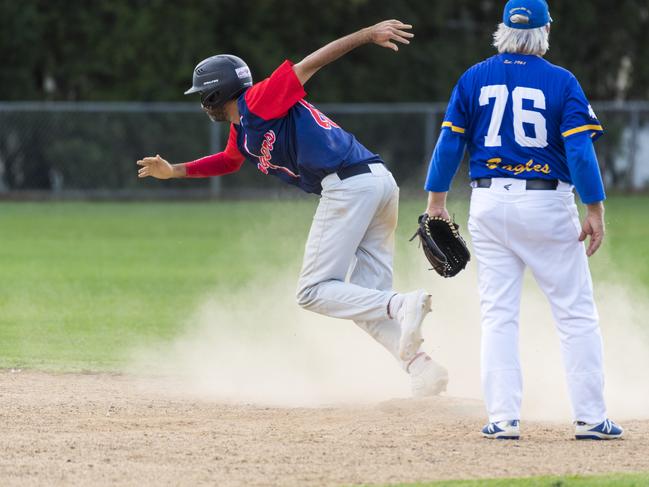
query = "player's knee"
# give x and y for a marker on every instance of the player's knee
(578, 326)
(304, 297)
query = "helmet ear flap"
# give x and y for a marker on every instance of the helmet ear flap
(207, 99)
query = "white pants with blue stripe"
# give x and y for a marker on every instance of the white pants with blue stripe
(347, 269)
(513, 228)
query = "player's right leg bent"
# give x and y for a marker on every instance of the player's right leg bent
(373, 269)
(345, 212)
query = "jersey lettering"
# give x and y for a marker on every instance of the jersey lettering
(319, 117)
(521, 116)
(531, 117)
(263, 160)
(266, 149)
(500, 93)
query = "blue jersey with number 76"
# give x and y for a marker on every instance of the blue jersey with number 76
(514, 111)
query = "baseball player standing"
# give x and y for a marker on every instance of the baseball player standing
(530, 131)
(279, 132)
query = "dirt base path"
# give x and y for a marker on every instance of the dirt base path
(100, 429)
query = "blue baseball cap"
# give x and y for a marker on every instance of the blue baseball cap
(526, 14)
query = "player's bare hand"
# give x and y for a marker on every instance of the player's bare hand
(155, 167)
(390, 32)
(438, 211)
(593, 226)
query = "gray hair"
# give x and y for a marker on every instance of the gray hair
(522, 41)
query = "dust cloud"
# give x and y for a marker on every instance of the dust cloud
(259, 347)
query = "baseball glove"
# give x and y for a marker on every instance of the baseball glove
(443, 246)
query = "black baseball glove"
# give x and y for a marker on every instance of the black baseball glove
(443, 246)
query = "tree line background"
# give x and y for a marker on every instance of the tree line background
(145, 50)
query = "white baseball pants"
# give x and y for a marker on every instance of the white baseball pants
(512, 229)
(347, 269)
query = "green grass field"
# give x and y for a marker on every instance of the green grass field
(82, 283)
(622, 480)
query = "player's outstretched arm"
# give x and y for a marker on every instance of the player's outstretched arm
(159, 168)
(385, 34)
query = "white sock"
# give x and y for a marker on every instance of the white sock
(418, 363)
(395, 304)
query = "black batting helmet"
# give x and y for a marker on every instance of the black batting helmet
(220, 79)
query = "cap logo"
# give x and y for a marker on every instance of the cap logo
(243, 72)
(520, 10)
(519, 19)
(211, 82)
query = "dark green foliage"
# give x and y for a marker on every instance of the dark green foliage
(146, 49)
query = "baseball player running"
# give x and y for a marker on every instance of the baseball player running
(283, 135)
(530, 132)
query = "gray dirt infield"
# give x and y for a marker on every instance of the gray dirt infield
(100, 429)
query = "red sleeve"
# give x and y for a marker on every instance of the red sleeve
(226, 162)
(274, 96)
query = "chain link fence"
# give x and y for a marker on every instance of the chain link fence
(88, 150)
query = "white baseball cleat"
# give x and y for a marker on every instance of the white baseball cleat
(502, 430)
(606, 430)
(427, 377)
(416, 305)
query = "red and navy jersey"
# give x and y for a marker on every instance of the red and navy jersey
(284, 136)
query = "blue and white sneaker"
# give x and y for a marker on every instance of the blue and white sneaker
(606, 430)
(502, 430)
